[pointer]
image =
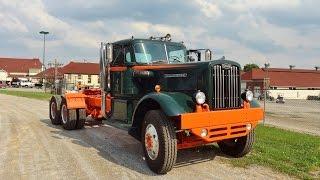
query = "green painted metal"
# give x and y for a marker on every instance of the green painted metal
(172, 103)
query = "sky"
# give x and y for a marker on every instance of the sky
(280, 32)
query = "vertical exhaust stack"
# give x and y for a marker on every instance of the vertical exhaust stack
(109, 52)
(106, 57)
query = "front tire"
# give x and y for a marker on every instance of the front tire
(68, 116)
(159, 142)
(238, 147)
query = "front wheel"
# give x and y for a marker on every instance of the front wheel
(159, 142)
(237, 147)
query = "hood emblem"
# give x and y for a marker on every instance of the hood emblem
(226, 66)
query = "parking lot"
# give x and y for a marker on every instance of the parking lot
(32, 148)
(297, 115)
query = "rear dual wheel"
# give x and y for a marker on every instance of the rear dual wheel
(72, 118)
(69, 118)
(54, 113)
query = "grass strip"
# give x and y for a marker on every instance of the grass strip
(286, 151)
(27, 94)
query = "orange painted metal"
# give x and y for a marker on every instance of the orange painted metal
(221, 117)
(90, 99)
(246, 104)
(76, 100)
(220, 125)
(202, 108)
(118, 68)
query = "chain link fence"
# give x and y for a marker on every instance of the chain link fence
(300, 114)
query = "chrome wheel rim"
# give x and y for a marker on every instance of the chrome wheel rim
(151, 142)
(64, 113)
(53, 110)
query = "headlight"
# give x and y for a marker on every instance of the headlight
(249, 96)
(200, 97)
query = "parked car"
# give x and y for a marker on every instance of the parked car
(27, 84)
(15, 83)
(38, 85)
(3, 84)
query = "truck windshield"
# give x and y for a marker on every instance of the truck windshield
(155, 52)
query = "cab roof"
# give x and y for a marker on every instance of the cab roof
(132, 41)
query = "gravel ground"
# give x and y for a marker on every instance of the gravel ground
(32, 148)
(297, 115)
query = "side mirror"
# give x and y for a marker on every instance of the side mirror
(207, 55)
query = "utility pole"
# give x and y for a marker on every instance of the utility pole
(265, 84)
(55, 64)
(44, 56)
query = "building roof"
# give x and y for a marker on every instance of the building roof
(19, 65)
(286, 77)
(81, 68)
(49, 73)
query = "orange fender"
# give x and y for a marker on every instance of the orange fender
(76, 100)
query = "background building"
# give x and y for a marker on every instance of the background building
(49, 75)
(3, 75)
(21, 68)
(85, 73)
(290, 83)
(72, 73)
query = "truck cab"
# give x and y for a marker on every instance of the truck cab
(166, 99)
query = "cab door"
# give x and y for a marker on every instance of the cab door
(121, 83)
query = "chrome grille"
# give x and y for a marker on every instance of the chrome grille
(226, 87)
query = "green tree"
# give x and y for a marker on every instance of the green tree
(249, 67)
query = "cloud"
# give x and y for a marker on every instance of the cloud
(279, 31)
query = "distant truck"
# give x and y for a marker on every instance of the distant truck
(165, 100)
(27, 84)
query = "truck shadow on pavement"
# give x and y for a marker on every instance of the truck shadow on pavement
(117, 147)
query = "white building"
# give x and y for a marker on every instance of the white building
(290, 83)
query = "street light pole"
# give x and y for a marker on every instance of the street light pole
(44, 55)
(266, 66)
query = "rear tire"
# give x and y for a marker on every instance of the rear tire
(238, 147)
(54, 113)
(81, 118)
(68, 116)
(161, 153)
